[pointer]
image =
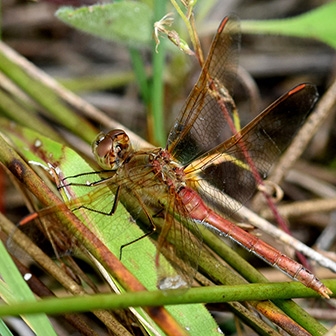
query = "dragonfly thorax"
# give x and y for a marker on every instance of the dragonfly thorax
(168, 170)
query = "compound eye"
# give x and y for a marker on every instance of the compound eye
(103, 146)
(111, 149)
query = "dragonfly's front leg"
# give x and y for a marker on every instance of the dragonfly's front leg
(86, 202)
(150, 220)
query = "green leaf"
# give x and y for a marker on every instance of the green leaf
(14, 289)
(127, 22)
(318, 24)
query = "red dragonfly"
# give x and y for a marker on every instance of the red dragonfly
(188, 180)
(205, 162)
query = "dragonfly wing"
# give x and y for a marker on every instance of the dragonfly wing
(180, 241)
(226, 168)
(202, 124)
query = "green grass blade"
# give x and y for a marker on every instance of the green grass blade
(14, 289)
(4, 331)
(214, 294)
(43, 95)
(156, 113)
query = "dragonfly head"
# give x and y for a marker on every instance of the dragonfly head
(111, 149)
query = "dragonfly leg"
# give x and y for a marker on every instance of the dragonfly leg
(150, 220)
(84, 174)
(109, 213)
(116, 199)
(64, 181)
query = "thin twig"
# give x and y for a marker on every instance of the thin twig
(301, 208)
(313, 184)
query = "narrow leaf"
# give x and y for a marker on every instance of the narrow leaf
(14, 289)
(318, 24)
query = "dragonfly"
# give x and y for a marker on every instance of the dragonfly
(206, 162)
(207, 169)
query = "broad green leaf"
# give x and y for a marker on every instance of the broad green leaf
(126, 22)
(115, 230)
(318, 24)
